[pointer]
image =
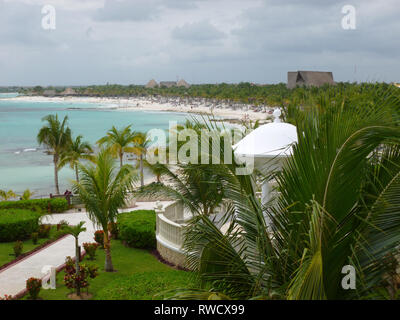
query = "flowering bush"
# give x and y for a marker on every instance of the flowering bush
(72, 280)
(18, 246)
(99, 237)
(6, 297)
(90, 248)
(44, 230)
(33, 286)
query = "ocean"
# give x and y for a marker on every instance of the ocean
(24, 165)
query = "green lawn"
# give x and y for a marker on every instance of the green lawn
(139, 276)
(7, 251)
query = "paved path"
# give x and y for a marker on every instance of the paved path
(13, 279)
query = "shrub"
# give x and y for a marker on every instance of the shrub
(33, 286)
(44, 230)
(18, 247)
(62, 225)
(17, 224)
(58, 205)
(35, 237)
(137, 228)
(40, 205)
(72, 280)
(90, 248)
(99, 237)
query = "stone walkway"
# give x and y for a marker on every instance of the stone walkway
(13, 279)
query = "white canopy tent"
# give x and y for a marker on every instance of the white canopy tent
(267, 147)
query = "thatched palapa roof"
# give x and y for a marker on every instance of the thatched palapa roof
(168, 84)
(183, 83)
(152, 84)
(68, 92)
(49, 93)
(309, 79)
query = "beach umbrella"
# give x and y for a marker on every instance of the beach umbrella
(267, 148)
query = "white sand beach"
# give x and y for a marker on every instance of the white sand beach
(198, 106)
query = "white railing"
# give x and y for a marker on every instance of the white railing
(168, 231)
(174, 211)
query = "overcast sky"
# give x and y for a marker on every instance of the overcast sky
(202, 41)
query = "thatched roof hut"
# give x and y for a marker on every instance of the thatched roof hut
(49, 93)
(152, 84)
(68, 92)
(183, 83)
(168, 84)
(309, 79)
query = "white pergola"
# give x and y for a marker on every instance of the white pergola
(267, 147)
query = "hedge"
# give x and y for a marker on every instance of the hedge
(17, 224)
(42, 205)
(138, 228)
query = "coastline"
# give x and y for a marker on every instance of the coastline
(148, 104)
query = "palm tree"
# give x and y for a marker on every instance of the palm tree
(56, 137)
(338, 204)
(103, 189)
(141, 142)
(77, 150)
(118, 141)
(27, 194)
(7, 195)
(75, 231)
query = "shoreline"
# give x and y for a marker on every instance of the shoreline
(208, 108)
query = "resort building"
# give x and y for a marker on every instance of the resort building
(68, 92)
(49, 93)
(183, 83)
(309, 79)
(168, 84)
(151, 84)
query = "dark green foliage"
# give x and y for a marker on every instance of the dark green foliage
(18, 247)
(44, 231)
(138, 228)
(17, 224)
(40, 205)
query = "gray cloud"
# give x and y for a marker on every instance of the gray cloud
(131, 41)
(198, 32)
(137, 10)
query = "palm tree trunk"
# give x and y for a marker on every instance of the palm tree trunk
(55, 161)
(77, 284)
(121, 155)
(108, 263)
(141, 171)
(76, 173)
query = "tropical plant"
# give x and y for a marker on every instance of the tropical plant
(196, 185)
(27, 195)
(77, 150)
(103, 189)
(338, 205)
(7, 195)
(141, 142)
(75, 231)
(118, 141)
(56, 136)
(33, 285)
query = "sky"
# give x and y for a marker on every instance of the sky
(201, 41)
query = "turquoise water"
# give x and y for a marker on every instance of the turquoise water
(23, 164)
